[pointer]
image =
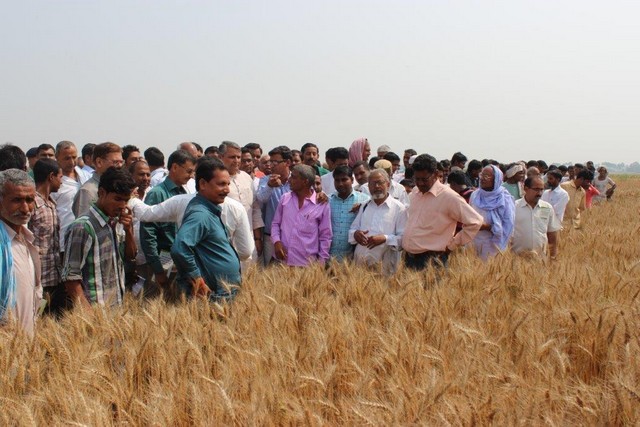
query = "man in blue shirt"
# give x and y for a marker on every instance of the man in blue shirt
(207, 263)
(345, 204)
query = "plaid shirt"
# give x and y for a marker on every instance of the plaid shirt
(45, 227)
(93, 254)
(341, 220)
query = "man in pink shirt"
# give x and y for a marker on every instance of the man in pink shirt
(435, 209)
(301, 227)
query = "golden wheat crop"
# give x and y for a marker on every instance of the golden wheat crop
(512, 341)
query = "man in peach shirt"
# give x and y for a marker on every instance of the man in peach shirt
(433, 213)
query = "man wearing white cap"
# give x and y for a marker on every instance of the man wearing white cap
(514, 179)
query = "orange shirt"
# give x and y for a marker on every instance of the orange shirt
(432, 219)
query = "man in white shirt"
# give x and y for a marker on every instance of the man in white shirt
(337, 156)
(66, 156)
(556, 196)
(17, 202)
(396, 190)
(536, 225)
(379, 226)
(242, 189)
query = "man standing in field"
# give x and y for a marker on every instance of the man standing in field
(20, 287)
(377, 230)
(576, 204)
(556, 196)
(156, 238)
(536, 224)
(207, 263)
(345, 203)
(98, 242)
(301, 228)
(433, 214)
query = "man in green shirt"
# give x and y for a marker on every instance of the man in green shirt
(156, 238)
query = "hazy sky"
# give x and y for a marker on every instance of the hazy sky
(557, 80)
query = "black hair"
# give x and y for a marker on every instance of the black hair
(101, 150)
(43, 147)
(542, 165)
(410, 151)
(408, 182)
(343, 170)
(579, 165)
(532, 163)
(372, 162)
(585, 174)
(127, 150)
(563, 168)
(337, 153)
(117, 180)
(211, 149)
(282, 150)
(180, 157)
(458, 157)
(307, 145)
(12, 157)
(456, 177)
(446, 163)
(425, 162)
(555, 173)
(244, 150)
(391, 156)
(198, 147)
(43, 168)
(206, 168)
(87, 150)
(474, 165)
(253, 146)
(360, 163)
(154, 157)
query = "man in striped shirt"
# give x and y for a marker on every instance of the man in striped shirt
(98, 242)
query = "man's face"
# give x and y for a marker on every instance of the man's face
(571, 171)
(17, 204)
(310, 156)
(55, 181)
(111, 159)
(476, 173)
(405, 160)
(486, 178)
(279, 166)
(295, 159)
(181, 174)
(46, 154)
(553, 181)
(586, 183)
(361, 174)
(378, 186)
(217, 188)
(317, 184)
(424, 180)
(66, 159)
(246, 163)
(297, 183)
(533, 194)
(264, 165)
(142, 175)
(519, 176)
(231, 160)
(395, 166)
(133, 157)
(255, 154)
(381, 153)
(112, 204)
(344, 185)
(459, 164)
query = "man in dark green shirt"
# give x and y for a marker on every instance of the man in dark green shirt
(156, 238)
(207, 263)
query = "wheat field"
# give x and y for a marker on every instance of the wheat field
(512, 341)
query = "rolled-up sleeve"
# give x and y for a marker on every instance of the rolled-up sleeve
(471, 222)
(189, 235)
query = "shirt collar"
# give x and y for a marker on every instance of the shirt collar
(350, 196)
(26, 233)
(102, 218)
(41, 201)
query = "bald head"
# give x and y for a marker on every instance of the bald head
(190, 148)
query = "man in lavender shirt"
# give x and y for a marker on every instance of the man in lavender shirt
(301, 228)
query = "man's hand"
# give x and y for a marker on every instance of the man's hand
(355, 208)
(274, 180)
(199, 287)
(280, 251)
(374, 241)
(485, 227)
(126, 219)
(361, 237)
(259, 246)
(322, 197)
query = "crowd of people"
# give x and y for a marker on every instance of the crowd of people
(81, 228)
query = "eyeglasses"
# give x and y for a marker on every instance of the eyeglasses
(189, 171)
